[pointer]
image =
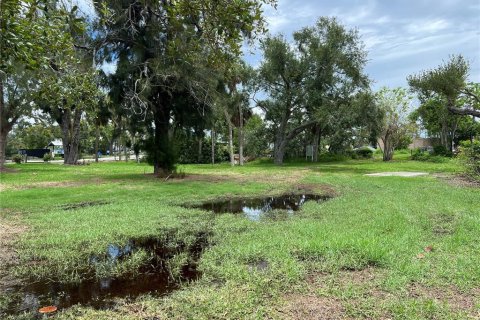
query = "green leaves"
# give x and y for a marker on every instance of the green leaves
(448, 79)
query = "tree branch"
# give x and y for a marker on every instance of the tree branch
(299, 129)
(467, 111)
(471, 94)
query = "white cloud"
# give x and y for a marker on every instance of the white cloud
(429, 26)
(277, 23)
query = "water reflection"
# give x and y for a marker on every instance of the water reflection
(255, 208)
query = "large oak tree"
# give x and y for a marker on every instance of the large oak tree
(166, 50)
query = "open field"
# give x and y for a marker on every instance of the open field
(381, 248)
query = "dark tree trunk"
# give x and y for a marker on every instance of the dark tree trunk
(452, 136)
(163, 158)
(3, 145)
(279, 151)
(213, 145)
(387, 148)
(112, 142)
(316, 141)
(230, 137)
(3, 131)
(199, 149)
(97, 135)
(70, 135)
(65, 126)
(444, 136)
(240, 134)
(125, 152)
(119, 148)
(5, 126)
(280, 140)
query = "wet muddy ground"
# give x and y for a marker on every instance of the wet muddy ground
(255, 208)
(153, 277)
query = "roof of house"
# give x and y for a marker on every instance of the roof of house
(56, 142)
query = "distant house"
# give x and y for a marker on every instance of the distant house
(56, 147)
(424, 143)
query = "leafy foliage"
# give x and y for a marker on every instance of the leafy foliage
(470, 157)
(449, 81)
(396, 127)
(17, 158)
(318, 83)
(169, 58)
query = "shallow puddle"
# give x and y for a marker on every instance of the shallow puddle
(255, 208)
(153, 277)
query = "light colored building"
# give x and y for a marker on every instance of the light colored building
(56, 148)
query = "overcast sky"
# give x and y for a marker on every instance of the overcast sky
(402, 37)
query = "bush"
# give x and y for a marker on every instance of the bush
(364, 153)
(47, 157)
(17, 158)
(470, 157)
(441, 151)
(421, 155)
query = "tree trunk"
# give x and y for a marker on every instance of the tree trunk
(64, 125)
(199, 150)
(387, 148)
(444, 136)
(97, 135)
(452, 135)
(213, 145)
(163, 158)
(71, 135)
(280, 140)
(279, 151)
(119, 148)
(124, 142)
(5, 126)
(316, 141)
(3, 131)
(230, 144)
(240, 134)
(112, 145)
(3, 146)
(230, 137)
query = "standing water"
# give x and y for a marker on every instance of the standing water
(254, 208)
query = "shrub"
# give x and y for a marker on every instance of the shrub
(17, 158)
(421, 155)
(364, 153)
(470, 157)
(441, 151)
(47, 157)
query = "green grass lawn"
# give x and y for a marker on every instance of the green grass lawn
(366, 253)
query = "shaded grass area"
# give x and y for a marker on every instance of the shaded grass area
(381, 224)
